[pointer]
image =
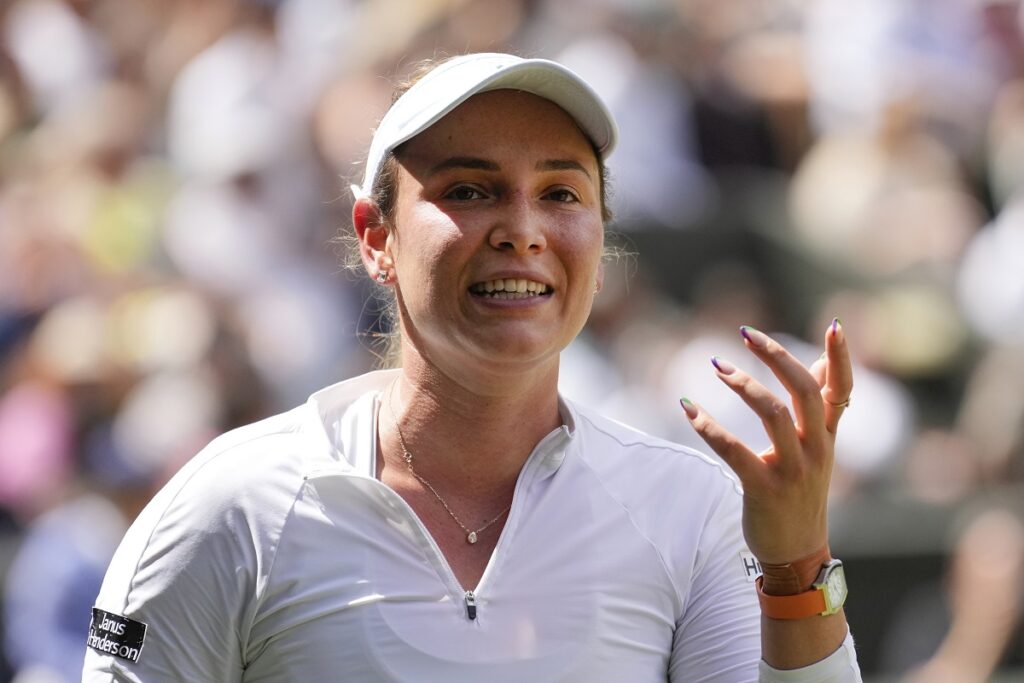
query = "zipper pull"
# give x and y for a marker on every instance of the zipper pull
(470, 605)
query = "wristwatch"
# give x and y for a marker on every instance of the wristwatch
(826, 596)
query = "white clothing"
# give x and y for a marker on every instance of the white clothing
(276, 555)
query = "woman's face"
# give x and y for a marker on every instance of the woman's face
(498, 234)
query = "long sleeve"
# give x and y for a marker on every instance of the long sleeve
(718, 637)
(839, 667)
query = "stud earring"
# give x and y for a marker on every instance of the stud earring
(382, 276)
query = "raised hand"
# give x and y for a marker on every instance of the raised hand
(786, 486)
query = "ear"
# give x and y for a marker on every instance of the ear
(599, 278)
(373, 236)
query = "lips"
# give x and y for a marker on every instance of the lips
(510, 288)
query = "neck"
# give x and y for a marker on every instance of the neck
(467, 436)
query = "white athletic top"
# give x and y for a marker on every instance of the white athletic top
(275, 555)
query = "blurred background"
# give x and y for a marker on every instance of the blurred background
(173, 178)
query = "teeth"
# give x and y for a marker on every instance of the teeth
(510, 288)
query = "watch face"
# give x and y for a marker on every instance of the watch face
(835, 588)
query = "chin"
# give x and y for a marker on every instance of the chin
(519, 351)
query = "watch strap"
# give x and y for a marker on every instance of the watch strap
(799, 606)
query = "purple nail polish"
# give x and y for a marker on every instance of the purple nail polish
(688, 407)
(754, 336)
(835, 325)
(722, 365)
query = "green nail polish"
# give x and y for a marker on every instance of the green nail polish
(688, 407)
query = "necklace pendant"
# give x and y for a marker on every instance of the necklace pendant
(471, 538)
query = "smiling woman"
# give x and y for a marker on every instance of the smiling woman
(504, 187)
(383, 189)
(455, 519)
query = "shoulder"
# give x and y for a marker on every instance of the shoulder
(679, 499)
(615, 451)
(686, 504)
(260, 461)
(225, 507)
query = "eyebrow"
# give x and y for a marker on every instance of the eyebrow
(486, 165)
(562, 165)
(464, 162)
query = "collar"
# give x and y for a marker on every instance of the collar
(342, 419)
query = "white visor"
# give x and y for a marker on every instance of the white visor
(455, 81)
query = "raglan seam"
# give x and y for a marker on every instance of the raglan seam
(712, 511)
(170, 504)
(260, 594)
(659, 444)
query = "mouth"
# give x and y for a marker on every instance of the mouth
(510, 288)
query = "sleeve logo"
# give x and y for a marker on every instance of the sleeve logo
(113, 634)
(751, 567)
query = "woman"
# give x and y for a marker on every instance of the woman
(455, 519)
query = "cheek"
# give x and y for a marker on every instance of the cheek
(583, 245)
(430, 246)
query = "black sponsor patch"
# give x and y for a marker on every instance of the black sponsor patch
(113, 634)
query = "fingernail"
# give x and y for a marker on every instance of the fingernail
(754, 336)
(722, 365)
(688, 408)
(836, 328)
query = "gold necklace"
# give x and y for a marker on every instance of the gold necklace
(471, 534)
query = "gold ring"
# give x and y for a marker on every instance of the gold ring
(844, 404)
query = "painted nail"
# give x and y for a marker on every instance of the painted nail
(836, 328)
(755, 336)
(688, 408)
(722, 365)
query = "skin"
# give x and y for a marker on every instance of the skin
(785, 501)
(507, 186)
(504, 186)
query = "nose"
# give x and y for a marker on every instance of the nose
(519, 227)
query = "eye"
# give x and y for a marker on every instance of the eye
(563, 195)
(464, 193)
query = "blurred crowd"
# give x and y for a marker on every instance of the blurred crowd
(173, 179)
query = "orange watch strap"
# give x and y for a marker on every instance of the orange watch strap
(800, 606)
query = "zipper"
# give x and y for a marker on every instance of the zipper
(437, 558)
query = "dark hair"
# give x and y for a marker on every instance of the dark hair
(384, 194)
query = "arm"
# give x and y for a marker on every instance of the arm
(716, 640)
(786, 487)
(184, 570)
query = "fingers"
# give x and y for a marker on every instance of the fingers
(744, 462)
(838, 384)
(804, 390)
(774, 413)
(818, 369)
(818, 395)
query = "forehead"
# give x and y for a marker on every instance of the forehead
(503, 122)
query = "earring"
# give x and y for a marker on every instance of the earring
(382, 276)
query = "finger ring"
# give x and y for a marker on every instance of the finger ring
(844, 404)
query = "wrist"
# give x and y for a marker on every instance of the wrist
(825, 597)
(794, 577)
